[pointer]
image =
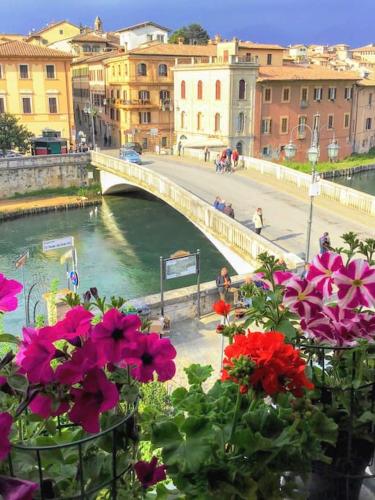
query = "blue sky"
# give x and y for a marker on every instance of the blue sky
(278, 21)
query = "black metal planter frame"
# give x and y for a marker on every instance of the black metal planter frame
(317, 356)
(116, 473)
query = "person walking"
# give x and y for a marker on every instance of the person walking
(223, 283)
(217, 163)
(228, 210)
(206, 153)
(229, 153)
(324, 243)
(179, 147)
(258, 220)
(228, 165)
(235, 157)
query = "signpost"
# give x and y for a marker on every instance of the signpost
(20, 263)
(65, 242)
(178, 267)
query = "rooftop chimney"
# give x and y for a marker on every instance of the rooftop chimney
(180, 40)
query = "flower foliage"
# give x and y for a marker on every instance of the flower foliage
(267, 363)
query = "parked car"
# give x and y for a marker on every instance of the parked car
(131, 156)
(133, 145)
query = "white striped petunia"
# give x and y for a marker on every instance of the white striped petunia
(356, 284)
(322, 270)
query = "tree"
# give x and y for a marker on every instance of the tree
(194, 34)
(13, 135)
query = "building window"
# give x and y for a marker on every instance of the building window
(239, 147)
(183, 89)
(2, 105)
(316, 122)
(26, 105)
(118, 93)
(52, 105)
(1, 72)
(119, 70)
(112, 114)
(242, 89)
(240, 123)
(163, 70)
(24, 71)
(142, 69)
(183, 119)
(266, 125)
(145, 117)
(318, 94)
(304, 95)
(113, 70)
(149, 38)
(117, 115)
(285, 95)
(144, 96)
(200, 90)
(330, 121)
(302, 127)
(164, 95)
(50, 70)
(144, 143)
(267, 94)
(125, 95)
(284, 125)
(199, 121)
(160, 38)
(266, 151)
(332, 93)
(370, 99)
(163, 142)
(346, 120)
(348, 93)
(61, 32)
(217, 122)
(368, 123)
(218, 90)
(269, 59)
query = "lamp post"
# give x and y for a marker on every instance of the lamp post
(313, 156)
(91, 111)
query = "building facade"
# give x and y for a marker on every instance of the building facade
(363, 122)
(139, 34)
(53, 32)
(35, 86)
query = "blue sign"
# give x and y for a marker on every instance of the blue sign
(73, 278)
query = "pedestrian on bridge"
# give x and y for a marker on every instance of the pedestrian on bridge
(217, 202)
(258, 220)
(206, 153)
(218, 165)
(221, 205)
(324, 243)
(179, 147)
(235, 157)
(228, 210)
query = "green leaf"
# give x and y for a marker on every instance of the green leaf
(8, 337)
(285, 326)
(197, 374)
(18, 382)
(324, 427)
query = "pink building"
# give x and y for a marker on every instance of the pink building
(290, 97)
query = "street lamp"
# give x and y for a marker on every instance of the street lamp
(90, 110)
(313, 156)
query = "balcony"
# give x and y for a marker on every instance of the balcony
(135, 104)
(304, 104)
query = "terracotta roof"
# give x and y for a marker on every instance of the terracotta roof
(12, 36)
(25, 50)
(95, 37)
(289, 72)
(367, 82)
(370, 46)
(96, 58)
(141, 25)
(52, 25)
(254, 45)
(175, 49)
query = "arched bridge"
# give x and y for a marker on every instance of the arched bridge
(237, 243)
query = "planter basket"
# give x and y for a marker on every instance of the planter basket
(115, 440)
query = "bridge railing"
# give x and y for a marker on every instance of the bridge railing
(231, 233)
(44, 160)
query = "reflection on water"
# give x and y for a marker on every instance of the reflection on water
(118, 248)
(364, 181)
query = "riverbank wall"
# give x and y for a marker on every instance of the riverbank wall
(346, 172)
(32, 173)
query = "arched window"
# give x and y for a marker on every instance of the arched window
(163, 70)
(239, 147)
(164, 95)
(142, 69)
(218, 90)
(240, 122)
(217, 122)
(183, 89)
(144, 95)
(200, 90)
(183, 119)
(242, 89)
(199, 121)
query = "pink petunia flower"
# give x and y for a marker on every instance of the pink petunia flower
(151, 354)
(5, 427)
(8, 290)
(12, 488)
(28, 334)
(45, 406)
(37, 356)
(148, 473)
(84, 359)
(76, 324)
(97, 396)
(301, 297)
(282, 277)
(114, 333)
(322, 271)
(356, 284)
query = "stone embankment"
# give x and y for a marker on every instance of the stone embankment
(345, 172)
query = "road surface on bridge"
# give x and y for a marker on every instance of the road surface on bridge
(285, 213)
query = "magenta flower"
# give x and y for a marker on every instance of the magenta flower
(12, 488)
(322, 271)
(37, 356)
(46, 406)
(114, 334)
(148, 473)
(5, 427)
(8, 290)
(28, 334)
(97, 395)
(84, 359)
(151, 354)
(282, 277)
(301, 297)
(356, 284)
(77, 323)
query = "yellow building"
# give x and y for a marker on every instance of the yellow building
(35, 86)
(53, 32)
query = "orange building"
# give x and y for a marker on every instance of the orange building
(290, 99)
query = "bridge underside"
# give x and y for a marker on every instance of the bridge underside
(114, 184)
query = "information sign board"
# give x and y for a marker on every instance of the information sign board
(67, 241)
(181, 266)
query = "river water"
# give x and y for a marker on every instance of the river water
(118, 249)
(364, 181)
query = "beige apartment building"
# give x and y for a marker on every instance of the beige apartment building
(363, 122)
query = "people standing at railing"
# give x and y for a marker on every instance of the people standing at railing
(324, 243)
(258, 220)
(223, 283)
(217, 202)
(228, 210)
(221, 205)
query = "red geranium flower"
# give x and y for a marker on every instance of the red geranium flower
(148, 473)
(222, 308)
(276, 366)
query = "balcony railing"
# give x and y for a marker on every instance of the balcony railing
(135, 103)
(231, 59)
